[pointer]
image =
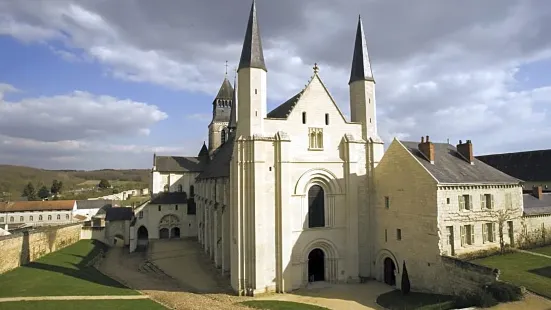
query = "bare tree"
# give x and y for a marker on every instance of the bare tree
(502, 216)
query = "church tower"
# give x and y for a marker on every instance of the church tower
(251, 75)
(362, 96)
(221, 110)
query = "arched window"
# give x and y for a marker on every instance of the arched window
(66, 216)
(40, 217)
(223, 136)
(21, 219)
(192, 191)
(11, 219)
(180, 188)
(316, 207)
(59, 216)
(31, 218)
(49, 217)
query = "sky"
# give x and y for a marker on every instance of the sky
(91, 84)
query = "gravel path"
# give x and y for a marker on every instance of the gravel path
(132, 270)
(116, 297)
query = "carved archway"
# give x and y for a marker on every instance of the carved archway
(325, 254)
(320, 176)
(169, 226)
(387, 272)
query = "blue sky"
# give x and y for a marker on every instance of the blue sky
(94, 84)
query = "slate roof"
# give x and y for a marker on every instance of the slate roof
(179, 164)
(527, 166)
(361, 66)
(284, 109)
(225, 91)
(48, 205)
(252, 55)
(204, 151)
(93, 204)
(535, 206)
(450, 167)
(219, 166)
(166, 198)
(119, 214)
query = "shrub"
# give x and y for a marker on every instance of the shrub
(504, 292)
(480, 298)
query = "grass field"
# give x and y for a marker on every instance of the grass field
(546, 250)
(530, 271)
(280, 305)
(142, 304)
(62, 273)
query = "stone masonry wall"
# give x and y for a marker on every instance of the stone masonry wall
(22, 248)
(534, 231)
(461, 276)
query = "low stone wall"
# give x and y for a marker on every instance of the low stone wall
(24, 247)
(462, 276)
(93, 233)
(535, 231)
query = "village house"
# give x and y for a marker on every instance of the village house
(36, 213)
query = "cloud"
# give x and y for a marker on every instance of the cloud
(443, 69)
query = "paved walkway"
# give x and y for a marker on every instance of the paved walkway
(110, 297)
(533, 253)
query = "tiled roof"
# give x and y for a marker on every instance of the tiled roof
(527, 166)
(93, 204)
(219, 166)
(450, 167)
(284, 109)
(169, 198)
(535, 206)
(49, 205)
(178, 164)
(119, 214)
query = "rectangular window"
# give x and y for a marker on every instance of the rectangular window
(176, 207)
(140, 215)
(488, 232)
(486, 201)
(326, 118)
(398, 234)
(191, 209)
(304, 117)
(21, 219)
(31, 218)
(386, 235)
(315, 138)
(2, 219)
(467, 235)
(508, 201)
(387, 202)
(159, 207)
(448, 200)
(465, 202)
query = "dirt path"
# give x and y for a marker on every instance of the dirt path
(130, 270)
(35, 298)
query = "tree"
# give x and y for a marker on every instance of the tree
(502, 216)
(103, 184)
(406, 286)
(56, 187)
(43, 192)
(29, 192)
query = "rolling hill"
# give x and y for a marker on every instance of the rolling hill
(14, 178)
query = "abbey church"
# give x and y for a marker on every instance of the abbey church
(280, 199)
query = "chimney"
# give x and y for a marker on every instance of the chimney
(427, 149)
(466, 151)
(537, 191)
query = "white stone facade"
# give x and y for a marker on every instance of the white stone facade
(163, 181)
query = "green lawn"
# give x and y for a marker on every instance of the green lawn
(140, 304)
(546, 250)
(280, 305)
(62, 273)
(530, 271)
(396, 301)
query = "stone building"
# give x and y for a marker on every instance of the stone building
(36, 213)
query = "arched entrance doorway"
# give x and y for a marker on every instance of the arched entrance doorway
(175, 232)
(389, 271)
(316, 265)
(164, 233)
(143, 239)
(118, 241)
(169, 227)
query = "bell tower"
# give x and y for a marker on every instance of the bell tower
(221, 110)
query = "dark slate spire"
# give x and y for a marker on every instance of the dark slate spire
(233, 114)
(252, 55)
(361, 66)
(204, 151)
(225, 91)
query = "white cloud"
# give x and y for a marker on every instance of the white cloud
(443, 69)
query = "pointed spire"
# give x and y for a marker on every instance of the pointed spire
(225, 91)
(361, 66)
(204, 151)
(233, 114)
(252, 55)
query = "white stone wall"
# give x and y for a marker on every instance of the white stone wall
(33, 217)
(215, 135)
(450, 215)
(412, 195)
(533, 230)
(160, 179)
(151, 217)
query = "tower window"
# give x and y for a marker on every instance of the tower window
(223, 136)
(370, 120)
(326, 118)
(255, 91)
(315, 138)
(304, 117)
